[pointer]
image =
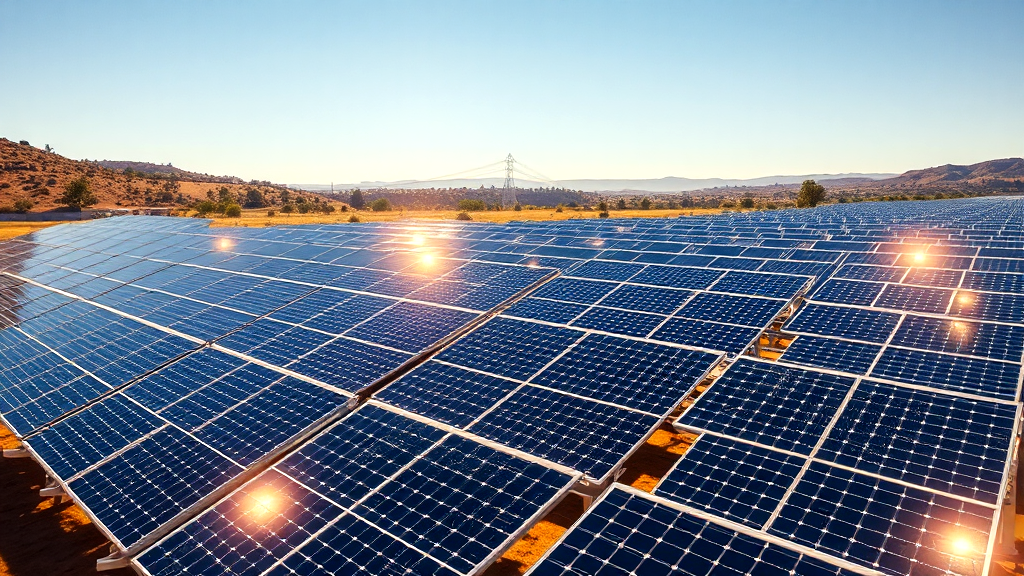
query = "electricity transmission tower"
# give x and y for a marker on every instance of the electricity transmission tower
(508, 191)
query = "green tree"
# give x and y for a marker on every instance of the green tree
(287, 208)
(225, 197)
(810, 195)
(645, 204)
(254, 198)
(518, 207)
(357, 201)
(469, 205)
(205, 208)
(77, 194)
(621, 204)
(233, 211)
(286, 196)
(602, 206)
(380, 205)
(747, 202)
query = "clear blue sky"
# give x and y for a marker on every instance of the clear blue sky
(310, 92)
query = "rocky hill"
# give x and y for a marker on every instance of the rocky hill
(29, 173)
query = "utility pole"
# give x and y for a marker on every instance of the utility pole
(508, 191)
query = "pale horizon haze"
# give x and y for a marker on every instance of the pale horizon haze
(315, 92)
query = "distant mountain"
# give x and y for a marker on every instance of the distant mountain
(652, 185)
(1005, 169)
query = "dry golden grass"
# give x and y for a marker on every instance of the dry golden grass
(259, 218)
(12, 229)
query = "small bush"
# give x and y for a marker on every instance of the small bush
(233, 211)
(468, 205)
(205, 208)
(271, 213)
(23, 205)
(287, 209)
(353, 218)
(463, 215)
(518, 207)
(603, 214)
(381, 205)
(747, 203)
(559, 208)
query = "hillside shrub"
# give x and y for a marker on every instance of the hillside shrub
(463, 215)
(381, 205)
(470, 205)
(233, 211)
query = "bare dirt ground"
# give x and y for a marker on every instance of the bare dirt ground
(12, 229)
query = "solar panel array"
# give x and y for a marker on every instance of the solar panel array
(412, 397)
(880, 442)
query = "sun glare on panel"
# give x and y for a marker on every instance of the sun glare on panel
(263, 506)
(919, 257)
(418, 239)
(427, 259)
(224, 244)
(965, 299)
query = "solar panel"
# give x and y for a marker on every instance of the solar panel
(739, 310)
(575, 432)
(631, 533)
(767, 285)
(740, 482)
(646, 298)
(871, 273)
(624, 322)
(881, 524)
(777, 406)
(933, 440)
(854, 292)
(948, 372)
(842, 322)
(995, 341)
(842, 355)
(710, 335)
(915, 299)
(988, 306)
(508, 347)
(445, 393)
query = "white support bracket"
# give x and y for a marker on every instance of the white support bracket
(16, 453)
(52, 492)
(115, 561)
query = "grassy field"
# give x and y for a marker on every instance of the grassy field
(259, 218)
(12, 229)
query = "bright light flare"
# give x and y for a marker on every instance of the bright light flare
(962, 547)
(224, 244)
(919, 257)
(263, 505)
(418, 239)
(965, 299)
(427, 259)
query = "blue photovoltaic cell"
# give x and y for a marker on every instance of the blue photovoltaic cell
(77, 442)
(618, 271)
(411, 327)
(646, 298)
(575, 432)
(941, 442)
(995, 341)
(853, 323)
(630, 534)
(777, 406)
(852, 357)
(151, 482)
(881, 524)
(736, 481)
(972, 375)
(641, 375)
(511, 348)
(677, 277)
(873, 273)
(854, 292)
(741, 310)
(637, 324)
(359, 453)
(461, 501)
(988, 306)
(710, 335)
(914, 299)
(353, 546)
(733, 263)
(448, 394)
(768, 285)
(546, 310)
(933, 277)
(245, 533)
(994, 282)
(574, 290)
(348, 364)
